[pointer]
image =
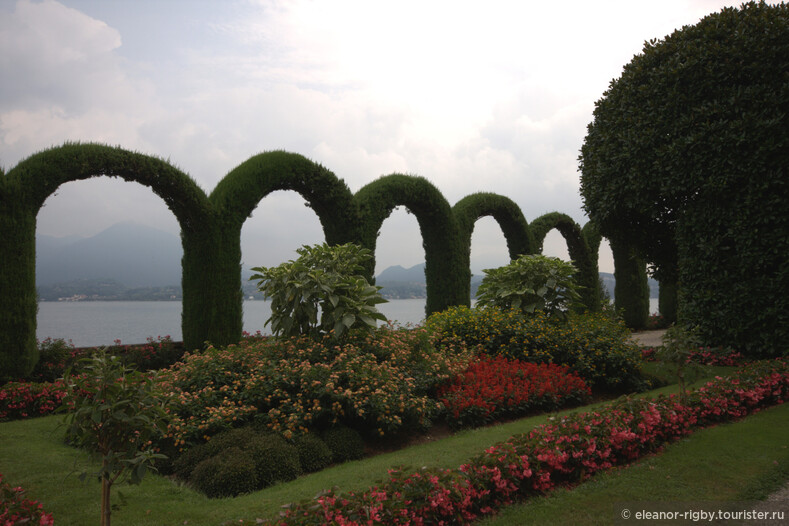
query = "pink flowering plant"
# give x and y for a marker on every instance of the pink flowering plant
(382, 383)
(28, 399)
(16, 509)
(563, 452)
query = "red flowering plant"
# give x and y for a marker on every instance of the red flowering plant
(27, 399)
(494, 388)
(563, 452)
(15, 509)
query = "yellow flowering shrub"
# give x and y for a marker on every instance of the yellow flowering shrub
(381, 384)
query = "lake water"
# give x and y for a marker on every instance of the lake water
(96, 323)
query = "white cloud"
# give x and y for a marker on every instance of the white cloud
(474, 96)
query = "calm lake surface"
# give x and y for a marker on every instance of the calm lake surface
(96, 323)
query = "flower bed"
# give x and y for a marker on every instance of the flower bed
(27, 399)
(492, 389)
(703, 356)
(563, 452)
(16, 509)
(381, 384)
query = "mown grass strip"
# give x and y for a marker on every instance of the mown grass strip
(33, 455)
(740, 461)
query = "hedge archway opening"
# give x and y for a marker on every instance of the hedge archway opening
(446, 278)
(24, 190)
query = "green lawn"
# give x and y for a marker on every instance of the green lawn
(714, 463)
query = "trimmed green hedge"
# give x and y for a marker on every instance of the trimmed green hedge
(211, 233)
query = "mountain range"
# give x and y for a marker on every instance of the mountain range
(133, 261)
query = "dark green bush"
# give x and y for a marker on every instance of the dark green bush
(345, 443)
(271, 458)
(275, 460)
(314, 454)
(593, 345)
(685, 161)
(227, 474)
(54, 357)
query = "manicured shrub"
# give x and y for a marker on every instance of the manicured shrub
(344, 443)
(275, 459)
(314, 454)
(227, 474)
(593, 345)
(685, 161)
(492, 389)
(271, 457)
(381, 384)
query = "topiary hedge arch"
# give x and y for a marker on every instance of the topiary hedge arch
(217, 317)
(447, 278)
(23, 191)
(211, 232)
(507, 214)
(578, 249)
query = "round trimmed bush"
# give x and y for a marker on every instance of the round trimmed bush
(230, 473)
(345, 443)
(274, 459)
(314, 454)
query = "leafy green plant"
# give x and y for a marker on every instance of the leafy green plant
(115, 412)
(529, 284)
(322, 292)
(676, 354)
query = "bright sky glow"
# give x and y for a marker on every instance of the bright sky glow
(476, 96)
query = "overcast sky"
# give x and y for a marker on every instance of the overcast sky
(475, 96)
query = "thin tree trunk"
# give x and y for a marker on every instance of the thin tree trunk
(106, 510)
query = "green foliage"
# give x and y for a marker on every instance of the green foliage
(275, 459)
(228, 474)
(685, 161)
(446, 269)
(593, 345)
(314, 454)
(55, 356)
(324, 281)
(531, 284)
(115, 412)
(581, 254)
(267, 459)
(344, 443)
(631, 292)
(676, 355)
